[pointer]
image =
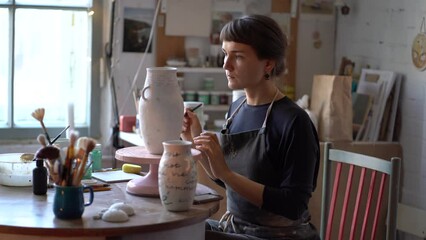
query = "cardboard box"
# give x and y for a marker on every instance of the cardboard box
(127, 123)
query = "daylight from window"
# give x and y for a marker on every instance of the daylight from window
(4, 66)
(51, 64)
(52, 68)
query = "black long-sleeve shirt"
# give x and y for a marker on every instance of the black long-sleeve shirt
(293, 152)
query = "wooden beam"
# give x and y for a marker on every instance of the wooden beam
(281, 6)
(287, 83)
(167, 46)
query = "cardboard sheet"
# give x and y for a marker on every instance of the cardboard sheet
(379, 85)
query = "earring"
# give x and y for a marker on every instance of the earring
(266, 76)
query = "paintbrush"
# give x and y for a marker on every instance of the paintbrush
(90, 144)
(79, 153)
(52, 154)
(66, 174)
(48, 152)
(196, 107)
(87, 168)
(59, 135)
(193, 109)
(38, 114)
(81, 147)
(42, 140)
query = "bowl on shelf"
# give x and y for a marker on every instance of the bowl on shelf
(175, 63)
(194, 61)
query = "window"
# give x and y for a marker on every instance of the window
(4, 66)
(49, 65)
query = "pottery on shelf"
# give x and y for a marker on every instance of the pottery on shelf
(160, 108)
(177, 176)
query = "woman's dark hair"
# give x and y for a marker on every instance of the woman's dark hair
(263, 34)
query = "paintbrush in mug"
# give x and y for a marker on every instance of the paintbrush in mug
(59, 135)
(38, 114)
(89, 145)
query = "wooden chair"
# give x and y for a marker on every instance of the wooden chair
(368, 214)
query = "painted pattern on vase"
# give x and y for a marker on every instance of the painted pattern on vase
(177, 176)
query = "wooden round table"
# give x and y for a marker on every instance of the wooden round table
(25, 215)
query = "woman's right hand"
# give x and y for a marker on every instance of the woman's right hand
(191, 125)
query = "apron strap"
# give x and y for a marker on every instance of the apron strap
(229, 120)
(262, 130)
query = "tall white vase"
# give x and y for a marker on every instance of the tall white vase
(160, 108)
(177, 176)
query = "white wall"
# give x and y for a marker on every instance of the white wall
(311, 60)
(380, 33)
(124, 69)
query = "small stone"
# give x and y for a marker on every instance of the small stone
(124, 207)
(115, 215)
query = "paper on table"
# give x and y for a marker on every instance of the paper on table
(202, 189)
(114, 176)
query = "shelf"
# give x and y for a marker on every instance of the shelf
(200, 70)
(132, 138)
(219, 108)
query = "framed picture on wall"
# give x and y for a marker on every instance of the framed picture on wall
(317, 7)
(137, 26)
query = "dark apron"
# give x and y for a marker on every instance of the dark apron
(245, 153)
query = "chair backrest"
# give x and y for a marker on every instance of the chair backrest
(351, 208)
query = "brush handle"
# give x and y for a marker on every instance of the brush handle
(45, 132)
(59, 135)
(81, 171)
(67, 170)
(196, 107)
(87, 168)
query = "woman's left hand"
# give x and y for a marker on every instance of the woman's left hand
(208, 143)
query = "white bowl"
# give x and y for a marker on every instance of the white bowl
(175, 63)
(14, 171)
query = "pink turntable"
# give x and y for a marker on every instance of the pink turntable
(147, 185)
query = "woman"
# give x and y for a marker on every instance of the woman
(267, 154)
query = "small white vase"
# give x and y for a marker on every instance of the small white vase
(177, 176)
(160, 108)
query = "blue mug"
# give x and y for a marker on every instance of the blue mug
(68, 202)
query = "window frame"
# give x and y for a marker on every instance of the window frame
(30, 134)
